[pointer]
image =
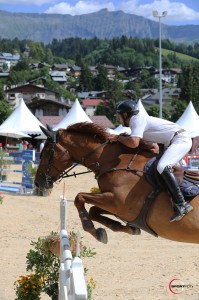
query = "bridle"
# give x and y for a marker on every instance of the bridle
(47, 178)
(65, 174)
(82, 162)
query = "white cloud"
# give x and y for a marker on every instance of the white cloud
(81, 7)
(176, 11)
(27, 2)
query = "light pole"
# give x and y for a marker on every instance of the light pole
(164, 14)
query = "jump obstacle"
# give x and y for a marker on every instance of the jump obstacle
(3, 183)
(72, 284)
(19, 187)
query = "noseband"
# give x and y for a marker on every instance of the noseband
(47, 177)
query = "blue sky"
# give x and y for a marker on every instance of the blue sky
(179, 11)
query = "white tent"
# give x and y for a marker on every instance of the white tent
(22, 120)
(190, 120)
(9, 132)
(75, 115)
(141, 107)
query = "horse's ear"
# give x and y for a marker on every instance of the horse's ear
(49, 127)
(50, 134)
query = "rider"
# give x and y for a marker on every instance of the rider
(176, 143)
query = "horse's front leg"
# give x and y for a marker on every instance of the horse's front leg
(105, 202)
(97, 214)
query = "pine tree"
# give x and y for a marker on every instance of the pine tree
(85, 79)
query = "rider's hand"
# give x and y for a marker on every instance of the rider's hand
(113, 138)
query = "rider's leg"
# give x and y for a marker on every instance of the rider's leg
(180, 145)
(181, 208)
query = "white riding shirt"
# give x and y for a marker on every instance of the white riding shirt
(156, 130)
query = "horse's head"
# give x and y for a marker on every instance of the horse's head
(54, 160)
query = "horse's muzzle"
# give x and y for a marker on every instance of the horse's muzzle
(44, 182)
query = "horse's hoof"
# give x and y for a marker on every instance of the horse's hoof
(135, 230)
(102, 235)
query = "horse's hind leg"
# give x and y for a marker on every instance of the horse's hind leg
(96, 213)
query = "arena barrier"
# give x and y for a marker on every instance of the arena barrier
(72, 284)
(21, 187)
(192, 162)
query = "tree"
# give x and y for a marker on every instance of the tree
(85, 79)
(136, 87)
(107, 110)
(5, 109)
(178, 109)
(49, 57)
(36, 51)
(150, 82)
(21, 65)
(195, 92)
(154, 111)
(115, 90)
(187, 84)
(56, 87)
(78, 60)
(101, 81)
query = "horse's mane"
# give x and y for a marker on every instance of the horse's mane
(89, 128)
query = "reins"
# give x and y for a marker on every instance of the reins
(66, 174)
(81, 162)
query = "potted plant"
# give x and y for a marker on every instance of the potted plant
(3, 165)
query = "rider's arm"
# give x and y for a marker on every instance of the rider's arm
(153, 147)
(129, 141)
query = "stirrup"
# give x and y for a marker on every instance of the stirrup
(179, 213)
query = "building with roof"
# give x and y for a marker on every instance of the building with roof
(152, 96)
(59, 77)
(90, 105)
(9, 58)
(102, 121)
(29, 92)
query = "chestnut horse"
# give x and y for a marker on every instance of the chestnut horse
(122, 183)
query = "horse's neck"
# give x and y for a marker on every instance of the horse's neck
(80, 147)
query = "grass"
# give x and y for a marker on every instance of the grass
(166, 52)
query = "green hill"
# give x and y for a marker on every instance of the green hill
(166, 52)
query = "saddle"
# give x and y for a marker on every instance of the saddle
(188, 182)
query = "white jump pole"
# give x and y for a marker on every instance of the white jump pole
(72, 284)
(65, 254)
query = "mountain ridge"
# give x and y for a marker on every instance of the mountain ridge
(102, 24)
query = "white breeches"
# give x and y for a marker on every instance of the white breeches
(180, 146)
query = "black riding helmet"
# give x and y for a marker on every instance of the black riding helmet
(128, 106)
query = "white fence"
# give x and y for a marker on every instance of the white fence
(72, 285)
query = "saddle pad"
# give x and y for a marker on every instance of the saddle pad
(189, 189)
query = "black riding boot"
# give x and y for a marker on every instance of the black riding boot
(181, 208)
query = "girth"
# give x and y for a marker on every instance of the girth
(140, 221)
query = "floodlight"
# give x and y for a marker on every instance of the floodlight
(155, 13)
